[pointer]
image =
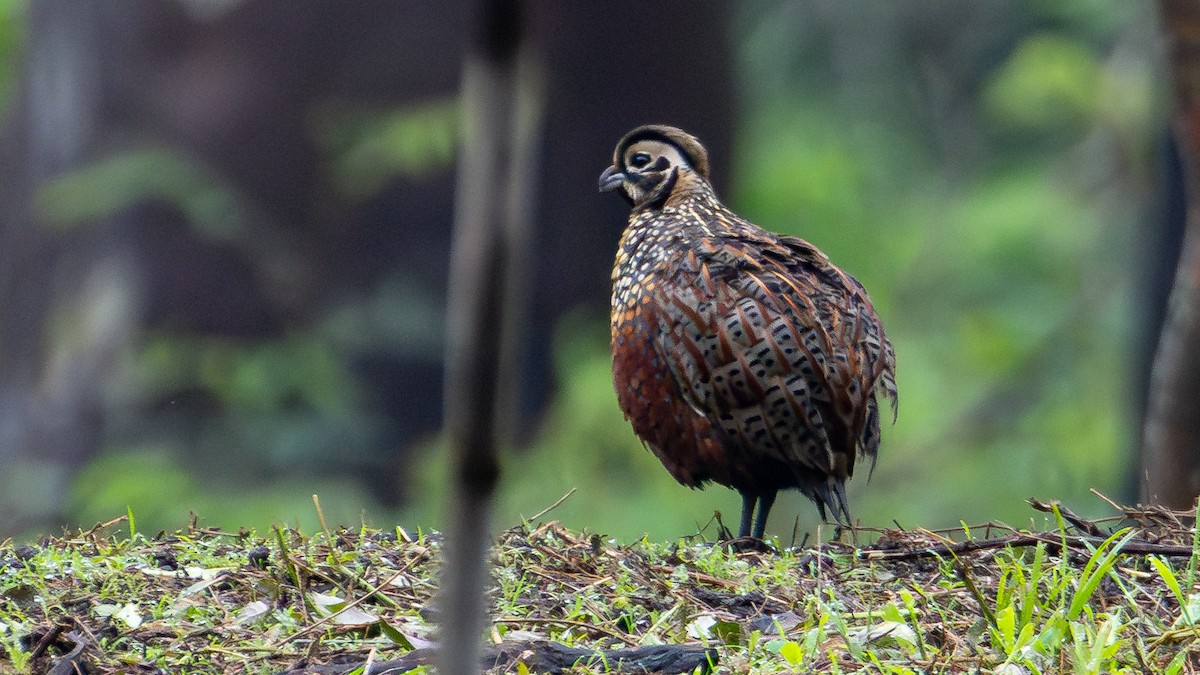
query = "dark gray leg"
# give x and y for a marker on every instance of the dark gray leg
(765, 502)
(747, 515)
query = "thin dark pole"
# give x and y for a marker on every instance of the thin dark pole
(499, 109)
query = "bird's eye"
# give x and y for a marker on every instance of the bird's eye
(639, 160)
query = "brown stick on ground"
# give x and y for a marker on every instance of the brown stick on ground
(1068, 515)
(1052, 542)
(548, 657)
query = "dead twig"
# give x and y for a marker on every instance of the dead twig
(1068, 515)
(593, 627)
(553, 506)
(1052, 542)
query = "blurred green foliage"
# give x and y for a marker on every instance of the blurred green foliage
(138, 174)
(255, 378)
(12, 39)
(1049, 83)
(367, 148)
(994, 230)
(162, 493)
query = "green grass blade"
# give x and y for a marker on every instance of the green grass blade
(1168, 577)
(1097, 567)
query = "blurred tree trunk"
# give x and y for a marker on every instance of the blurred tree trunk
(1171, 433)
(69, 303)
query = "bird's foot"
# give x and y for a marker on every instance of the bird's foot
(748, 545)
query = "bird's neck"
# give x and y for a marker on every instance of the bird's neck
(690, 188)
(686, 188)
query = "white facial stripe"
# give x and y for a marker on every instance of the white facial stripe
(657, 149)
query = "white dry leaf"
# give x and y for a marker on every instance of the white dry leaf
(700, 628)
(522, 636)
(158, 572)
(252, 611)
(200, 586)
(353, 616)
(400, 581)
(205, 576)
(339, 613)
(885, 630)
(324, 600)
(128, 614)
(204, 573)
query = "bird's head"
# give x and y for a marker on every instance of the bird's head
(649, 161)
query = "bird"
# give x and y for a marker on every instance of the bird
(740, 356)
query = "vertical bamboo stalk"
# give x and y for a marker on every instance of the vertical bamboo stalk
(500, 104)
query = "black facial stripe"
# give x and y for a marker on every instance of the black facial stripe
(660, 164)
(660, 194)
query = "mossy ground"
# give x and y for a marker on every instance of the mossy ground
(1087, 597)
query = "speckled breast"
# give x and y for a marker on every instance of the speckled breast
(684, 441)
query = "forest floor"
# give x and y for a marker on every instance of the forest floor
(1107, 596)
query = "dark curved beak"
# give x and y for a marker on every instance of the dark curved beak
(611, 179)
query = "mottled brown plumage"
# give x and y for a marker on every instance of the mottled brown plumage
(740, 356)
